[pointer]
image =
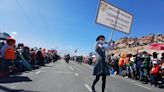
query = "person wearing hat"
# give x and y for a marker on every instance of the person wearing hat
(101, 67)
(9, 53)
(162, 70)
(127, 65)
(155, 57)
(154, 73)
(133, 67)
(139, 63)
(145, 67)
(121, 63)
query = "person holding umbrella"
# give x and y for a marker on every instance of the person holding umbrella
(101, 68)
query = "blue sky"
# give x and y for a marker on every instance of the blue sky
(70, 24)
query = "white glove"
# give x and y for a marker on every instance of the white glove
(99, 45)
(106, 46)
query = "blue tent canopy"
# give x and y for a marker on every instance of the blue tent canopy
(4, 36)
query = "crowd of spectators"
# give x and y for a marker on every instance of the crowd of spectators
(20, 58)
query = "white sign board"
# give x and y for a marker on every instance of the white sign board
(113, 17)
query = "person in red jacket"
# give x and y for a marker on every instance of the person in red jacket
(154, 73)
(9, 53)
(121, 63)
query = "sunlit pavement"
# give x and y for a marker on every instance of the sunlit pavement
(72, 77)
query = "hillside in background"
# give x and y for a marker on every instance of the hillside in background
(134, 45)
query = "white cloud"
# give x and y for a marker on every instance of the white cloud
(13, 33)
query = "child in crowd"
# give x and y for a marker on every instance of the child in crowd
(154, 74)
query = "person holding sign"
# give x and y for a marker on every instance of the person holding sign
(101, 68)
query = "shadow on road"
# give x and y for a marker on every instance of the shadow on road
(5, 89)
(14, 79)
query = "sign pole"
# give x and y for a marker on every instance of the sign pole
(111, 34)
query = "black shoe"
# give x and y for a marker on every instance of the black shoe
(144, 82)
(93, 89)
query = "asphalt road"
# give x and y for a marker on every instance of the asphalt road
(72, 77)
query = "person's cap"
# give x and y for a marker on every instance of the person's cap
(11, 39)
(144, 52)
(155, 53)
(99, 37)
